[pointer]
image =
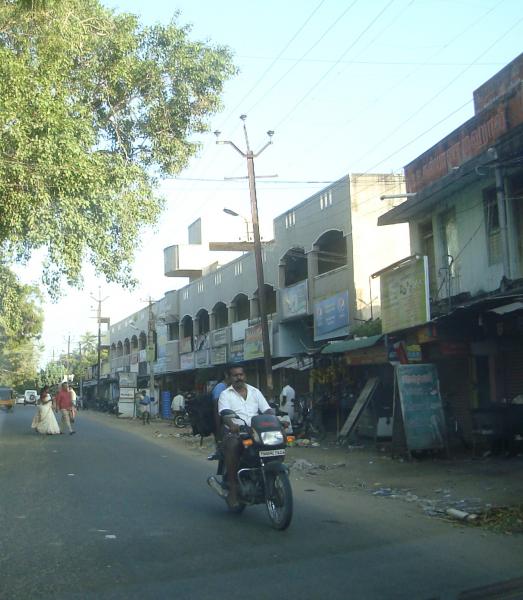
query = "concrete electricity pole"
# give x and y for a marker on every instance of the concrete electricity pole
(249, 155)
(150, 348)
(99, 300)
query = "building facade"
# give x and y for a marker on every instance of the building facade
(317, 283)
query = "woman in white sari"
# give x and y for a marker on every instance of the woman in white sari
(44, 420)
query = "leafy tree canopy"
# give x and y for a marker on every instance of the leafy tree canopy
(21, 321)
(95, 107)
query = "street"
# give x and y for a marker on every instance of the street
(107, 514)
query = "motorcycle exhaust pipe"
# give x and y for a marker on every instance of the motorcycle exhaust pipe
(216, 486)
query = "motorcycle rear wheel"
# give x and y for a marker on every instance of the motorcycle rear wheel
(179, 421)
(279, 505)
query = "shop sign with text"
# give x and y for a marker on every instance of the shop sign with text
(187, 361)
(405, 295)
(294, 300)
(331, 316)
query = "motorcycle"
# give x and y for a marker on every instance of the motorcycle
(262, 475)
(308, 420)
(182, 419)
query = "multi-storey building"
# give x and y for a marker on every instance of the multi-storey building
(317, 278)
(465, 215)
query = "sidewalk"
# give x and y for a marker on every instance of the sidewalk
(431, 485)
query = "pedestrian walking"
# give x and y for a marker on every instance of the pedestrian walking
(64, 403)
(74, 401)
(144, 406)
(44, 420)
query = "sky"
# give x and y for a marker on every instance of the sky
(353, 86)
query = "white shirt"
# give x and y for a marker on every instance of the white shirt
(178, 403)
(247, 408)
(287, 405)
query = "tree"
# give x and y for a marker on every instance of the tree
(21, 321)
(95, 108)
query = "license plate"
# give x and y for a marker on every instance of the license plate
(278, 452)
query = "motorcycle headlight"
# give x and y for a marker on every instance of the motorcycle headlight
(272, 438)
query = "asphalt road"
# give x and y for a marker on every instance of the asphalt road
(110, 514)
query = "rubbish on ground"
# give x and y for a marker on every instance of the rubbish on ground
(303, 465)
(110, 536)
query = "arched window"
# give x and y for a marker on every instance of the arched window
(142, 341)
(241, 307)
(186, 326)
(332, 251)
(203, 321)
(119, 349)
(295, 265)
(126, 347)
(221, 317)
(134, 343)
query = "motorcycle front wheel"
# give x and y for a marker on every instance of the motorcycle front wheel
(279, 504)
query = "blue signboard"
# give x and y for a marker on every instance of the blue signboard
(294, 301)
(331, 316)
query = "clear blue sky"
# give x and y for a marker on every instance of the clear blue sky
(348, 86)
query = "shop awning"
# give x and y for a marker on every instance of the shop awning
(296, 363)
(507, 308)
(348, 345)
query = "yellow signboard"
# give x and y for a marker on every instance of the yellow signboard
(405, 295)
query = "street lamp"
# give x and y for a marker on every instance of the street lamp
(245, 219)
(249, 155)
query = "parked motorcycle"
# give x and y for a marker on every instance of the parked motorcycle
(262, 475)
(182, 419)
(308, 419)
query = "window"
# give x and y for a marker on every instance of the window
(238, 268)
(493, 232)
(217, 279)
(200, 287)
(449, 239)
(326, 200)
(290, 219)
(173, 331)
(185, 294)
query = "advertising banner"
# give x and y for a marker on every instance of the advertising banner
(294, 300)
(331, 316)
(405, 295)
(421, 406)
(236, 352)
(127, 380)
(161, 339)
(187, 361)
(201, 359)
(202, 341)
(253, 344)
(127, 393)
(219, 355)
(238, 330)
(186, 345)
(219, 337)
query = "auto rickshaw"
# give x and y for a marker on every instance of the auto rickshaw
(7, 398)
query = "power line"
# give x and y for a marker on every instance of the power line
(310, 49)
(329, 71)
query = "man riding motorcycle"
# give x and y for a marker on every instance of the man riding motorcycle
(245, 401)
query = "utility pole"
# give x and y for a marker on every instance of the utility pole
(81, 374)
(249, 155)
(99, 300)
(68, 367)
(150, 348)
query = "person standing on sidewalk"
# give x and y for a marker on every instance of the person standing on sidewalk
(64, 403)
(144, 404)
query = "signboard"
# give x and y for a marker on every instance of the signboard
(142, 356)
(186, 345)
(405, 295)
(421, 406)
(294, 300)
(187, 361)
(219, 355)
(238, 330)
(236, 352)
(127, 380)
(219, 337)
(161, 339)
(375, 355)
(201, 358)
(331, 316)
(134, 368)
(126, 409)
(253, 344)
(202, 341)
(127, 393)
